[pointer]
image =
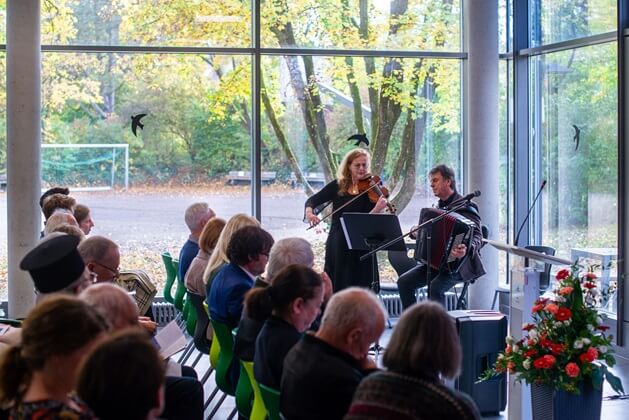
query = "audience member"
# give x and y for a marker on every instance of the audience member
(58, 201)
(101, 256)
(58, 218)
(289, 304)
(207, 242)
(424, 348)
(248, 253)
(284, 252)
(219, 255)
(83, 217)
(184, 393)
(123, 378)
(39, 374)
(51, 191)
(70, 230)
(322, 371)
(197, 215)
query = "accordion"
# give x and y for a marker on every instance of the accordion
(138, 283)
(447, 233)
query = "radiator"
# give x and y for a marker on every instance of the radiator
(392, 303)
(163, 312)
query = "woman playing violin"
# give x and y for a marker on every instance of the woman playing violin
(342, 264)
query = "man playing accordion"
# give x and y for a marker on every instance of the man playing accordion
(443, 279)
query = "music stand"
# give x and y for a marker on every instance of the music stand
(366, 232)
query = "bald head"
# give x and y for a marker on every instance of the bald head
(113, 303)
(101, 256)
(353, 320)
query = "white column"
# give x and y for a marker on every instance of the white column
(23, 146)
(481, 131)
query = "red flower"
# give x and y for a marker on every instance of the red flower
(528, 327)
(589, 285)
(537, 307)
(508, 349)
(545, 342)
(572, 370)
(557, 348)
(562, 274)
(602, 328)
(563, 314)
(552, 308)
(530, 353)
(589, 356)
(590, 276)
(544, 362)
(511, 367)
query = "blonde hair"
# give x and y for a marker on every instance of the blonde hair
(343, 173)
(219, 254)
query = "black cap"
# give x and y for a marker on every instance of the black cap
(54, 264)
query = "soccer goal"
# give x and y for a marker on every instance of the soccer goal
(86, 167)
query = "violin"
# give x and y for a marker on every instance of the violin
(375, 189)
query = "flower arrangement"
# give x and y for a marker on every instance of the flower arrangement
(566, 342)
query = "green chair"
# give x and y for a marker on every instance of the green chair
(190, 315)
(181, 289)
(244, 390)
(171, 276)
(271, 398)
(215, 348)
(258, 411)
(225, 357)
(16, 323)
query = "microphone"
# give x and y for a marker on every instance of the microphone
(465, 198)
(517, 237)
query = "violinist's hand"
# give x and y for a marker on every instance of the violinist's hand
(312, 218)
(459, 251)
(381, 204)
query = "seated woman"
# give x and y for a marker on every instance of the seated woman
(207, 242)
(123, 377)
(424, 348)
(39, 374)
(290, 303)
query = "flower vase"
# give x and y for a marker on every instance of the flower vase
(549, 404)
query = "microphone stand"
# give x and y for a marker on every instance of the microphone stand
(462, 203)
(528, 214)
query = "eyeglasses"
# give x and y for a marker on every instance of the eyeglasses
(116, 272)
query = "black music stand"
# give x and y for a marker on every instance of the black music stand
(366, 232)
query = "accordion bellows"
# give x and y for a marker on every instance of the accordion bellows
(139, 282)
(446, 233)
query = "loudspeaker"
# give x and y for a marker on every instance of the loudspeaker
(482, 335)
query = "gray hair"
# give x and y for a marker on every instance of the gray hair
(196, 216)
(350, 308)
(96, 248)
(289, 251)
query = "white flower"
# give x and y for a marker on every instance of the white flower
(533, 334)
(557, 324)
(578, 344)
(560, 299)
(526, 364)
(602, 349)
(509, 339)
(566, 322)
(590, 327)
(586, 341)
(515, 348)
(501, 356)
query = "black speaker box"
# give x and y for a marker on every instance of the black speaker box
(482, 335)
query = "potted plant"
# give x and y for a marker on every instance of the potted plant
(565, 352)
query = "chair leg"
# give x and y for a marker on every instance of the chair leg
(461, 302)
(493, 303)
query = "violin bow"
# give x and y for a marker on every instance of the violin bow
(342, 207)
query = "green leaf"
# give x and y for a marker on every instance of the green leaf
(597, 376)
(614, 382)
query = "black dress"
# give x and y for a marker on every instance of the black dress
(342, 264)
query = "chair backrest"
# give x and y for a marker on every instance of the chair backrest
(215, 350)
(244, 390)
(258, 411)
(544, 278)
(181, 288)
(271, 398)
(171, 276)
(225, 357)
(202, 322)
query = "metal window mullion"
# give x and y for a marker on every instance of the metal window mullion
(256, 129)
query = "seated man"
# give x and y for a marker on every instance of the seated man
(197, 215)
(101, 256)
(248, 252)
(322, 371)
(443, 186)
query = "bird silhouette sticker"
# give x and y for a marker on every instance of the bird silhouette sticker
(135, 123)
(360, 138)
(577, 137)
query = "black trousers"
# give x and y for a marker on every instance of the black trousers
(416, 277)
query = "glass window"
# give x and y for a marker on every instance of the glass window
(561, 20)
(199, 23)
(576, 115)
(505, 199)
(195, 143)
(416, 113)
(419, 25)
